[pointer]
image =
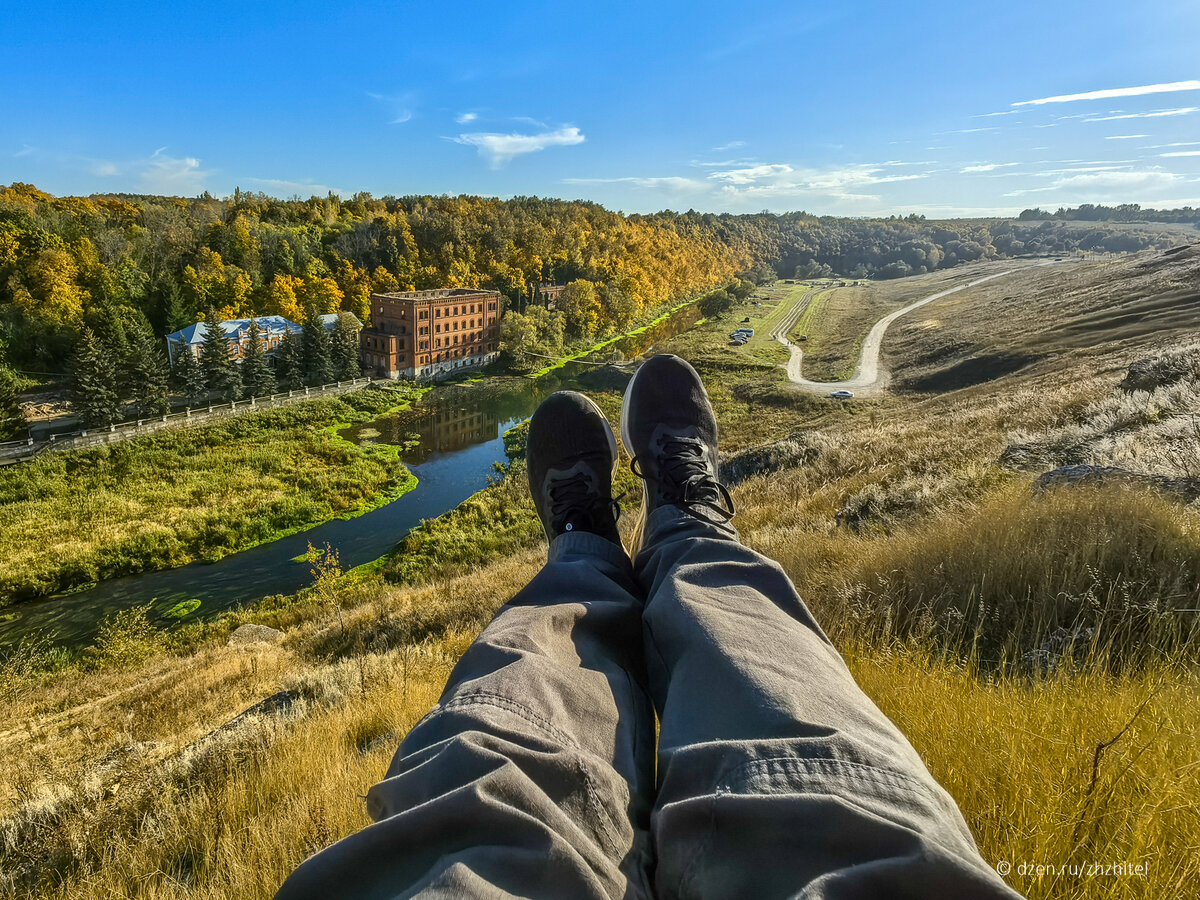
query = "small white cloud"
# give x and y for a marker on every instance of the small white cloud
(400, 107)
(1165, 88)
(500, 149)
(1156, 114)
(985, 167)
(1125, 137)
(173, 176)
(464, 118)
(732, 145)
(104, 169)
(25, 150)
(1181, 153)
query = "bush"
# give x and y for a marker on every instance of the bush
(126, 637)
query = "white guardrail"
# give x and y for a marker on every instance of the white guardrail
(15, 450)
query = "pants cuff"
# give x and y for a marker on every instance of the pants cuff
(585, 545)
(671, 522)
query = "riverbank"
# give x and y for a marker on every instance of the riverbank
(608, 342)
(74, 518)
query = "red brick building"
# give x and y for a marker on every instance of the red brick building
(424, 334)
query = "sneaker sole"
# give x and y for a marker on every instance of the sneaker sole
(639, 527)
(612, 445)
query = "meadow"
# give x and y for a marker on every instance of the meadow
(1039, 649)
(72, 518)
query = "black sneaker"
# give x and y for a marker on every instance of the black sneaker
(669, 429)
(572, 457)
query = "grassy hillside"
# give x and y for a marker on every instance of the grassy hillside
(76, 517)
(1039, 650)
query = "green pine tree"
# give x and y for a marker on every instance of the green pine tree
(189, 374)
(256, 374)
(289, 367)
(344, 350)
(12, 417)
(175, 315)
(97, 398)
(316, 352)
(220, 368)
(145, 372)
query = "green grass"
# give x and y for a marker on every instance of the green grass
(608, 342)
(76, 517)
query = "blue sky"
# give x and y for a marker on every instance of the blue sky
(848, 108)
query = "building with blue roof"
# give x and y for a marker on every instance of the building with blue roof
(271, 330)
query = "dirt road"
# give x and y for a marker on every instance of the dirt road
(866, 376)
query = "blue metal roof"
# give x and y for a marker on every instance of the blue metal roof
(194, 334)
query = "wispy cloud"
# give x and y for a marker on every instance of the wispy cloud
(1165, 88)
(669, 184)
(985, 167)
(500, 149)
(1181, 153)
(721, 163)
(1007, 112)
(752, 174)
(1103, 186)
(1154, 114)
(464, 118)
(104, 169)
(400, 107)
(1125, 137)
(300, 188)
(967, 130)
(780, 180)
(173, 176)
(732, 145)
(26, 150)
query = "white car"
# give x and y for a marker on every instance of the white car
(841, 395)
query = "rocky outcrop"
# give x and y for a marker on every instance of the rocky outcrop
(794, 450)
(1161, 371)
(252, 633)
(1183, 488)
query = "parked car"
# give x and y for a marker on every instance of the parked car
(841, 395)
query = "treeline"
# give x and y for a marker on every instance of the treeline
(66, 262)
(158, 263)
(1124, 212)
(805, 246)
(121, 370)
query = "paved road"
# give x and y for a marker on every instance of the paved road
(866, 375)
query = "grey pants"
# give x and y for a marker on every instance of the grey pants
(534, 776)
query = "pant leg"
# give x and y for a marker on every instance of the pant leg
(533, 775)
(777, 776)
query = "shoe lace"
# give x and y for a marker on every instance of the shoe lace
(575, 504)
(685, 479)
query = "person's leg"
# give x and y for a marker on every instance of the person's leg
(777, 776)
(532, 777)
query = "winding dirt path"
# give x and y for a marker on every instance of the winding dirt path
(866, 375)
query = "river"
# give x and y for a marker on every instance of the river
(454, 437)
